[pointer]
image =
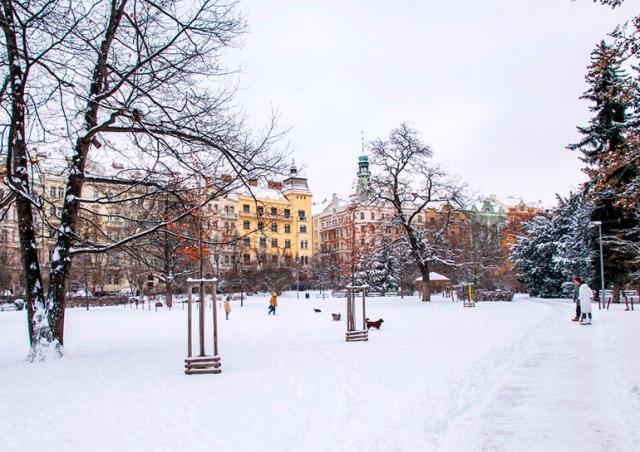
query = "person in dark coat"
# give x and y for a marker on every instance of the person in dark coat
(577, 281)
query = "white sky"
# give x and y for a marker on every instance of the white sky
(493, 86)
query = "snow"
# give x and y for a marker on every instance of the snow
(516, 376)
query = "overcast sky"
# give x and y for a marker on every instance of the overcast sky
(493, 85)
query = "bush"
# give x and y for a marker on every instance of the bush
(494, 295)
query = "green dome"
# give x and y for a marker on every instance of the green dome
(363, 158)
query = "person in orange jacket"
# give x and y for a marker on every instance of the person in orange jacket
(273, 303)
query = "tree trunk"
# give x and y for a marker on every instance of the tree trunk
(426, 283)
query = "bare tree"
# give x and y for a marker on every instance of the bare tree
(140, 82)
(405, 178)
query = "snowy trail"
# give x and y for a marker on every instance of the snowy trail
(561, 374)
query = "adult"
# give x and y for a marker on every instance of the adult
(273, 303)
(585, 295)
(576, 300)
(227, 306)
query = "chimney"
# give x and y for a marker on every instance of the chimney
(253, 182)
(274, 185)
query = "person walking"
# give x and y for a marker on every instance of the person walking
(273, 304)
(576, 300)
(227, 307)
(585, 294)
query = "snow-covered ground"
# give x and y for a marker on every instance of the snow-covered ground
(501, 376)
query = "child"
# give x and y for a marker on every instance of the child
(273, 303)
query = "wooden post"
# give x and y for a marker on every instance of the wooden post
(189, 311)
(215, 319)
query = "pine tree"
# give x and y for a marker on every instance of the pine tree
(607, 148)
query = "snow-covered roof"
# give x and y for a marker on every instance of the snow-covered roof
(433, 276)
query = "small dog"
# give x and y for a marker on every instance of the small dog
(374, 324)
(336, 316)
(317, 310)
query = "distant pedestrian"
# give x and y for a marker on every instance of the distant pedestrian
(227, 307)
(273, 304)
(576, 300)
(585, 295)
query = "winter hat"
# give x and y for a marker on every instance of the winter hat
(578, 280)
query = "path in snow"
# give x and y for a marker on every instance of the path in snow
(561, 374)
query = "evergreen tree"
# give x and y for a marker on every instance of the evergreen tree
(534, 254)
(607, 149)
(556, 247)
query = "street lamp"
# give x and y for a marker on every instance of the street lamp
(599, 224)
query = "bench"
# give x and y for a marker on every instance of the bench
(374, 294)
(339, 294)
(391, 294)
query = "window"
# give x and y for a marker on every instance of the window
(50, 255)
(287, 243)
(362, 228)
(302, 215)
(226, 259)
(287, 213)
(260, 225)
(263, 242)
(52, 192)
(246, 224)
(52, 211)
(260, 210)
(109, 279)
(304, 244)
(60, 192)
(303, 228)
(274, 211)
(287, 228)
(274, 243)
(274, 259)
(419, 218)
(246, 241)
(117, 236)
(245, 258)
(245, 208)
(5, 236)
(109, 235)
(373, 216)
(274, 227)
(362, 215)
(116, 279)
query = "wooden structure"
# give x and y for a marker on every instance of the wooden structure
(437, 282)
(203, 363)
(352, 333)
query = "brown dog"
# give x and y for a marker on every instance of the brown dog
(374, 324)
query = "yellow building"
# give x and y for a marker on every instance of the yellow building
(274, 222)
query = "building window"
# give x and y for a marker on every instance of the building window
(60, 192)
(260, 210)
(50, 255)
(274, 243)
(287, 243)
(287, 213)
(52, 211)
(52, 192)
(373, 216)
(245, 258)
(260, 225)
(109, 235)
(362, 228)
(116, 279)
(303, 228)
(304, 244)
(246, 241)
(274, 211)
(245, 208)
(263, 242)
(274, 259)
(362, 215)
(246, 224)
(287, 228)
(302, 215)
(5, 236)
(274, 227)
(109, 279)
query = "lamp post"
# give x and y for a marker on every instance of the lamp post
(602, 297)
